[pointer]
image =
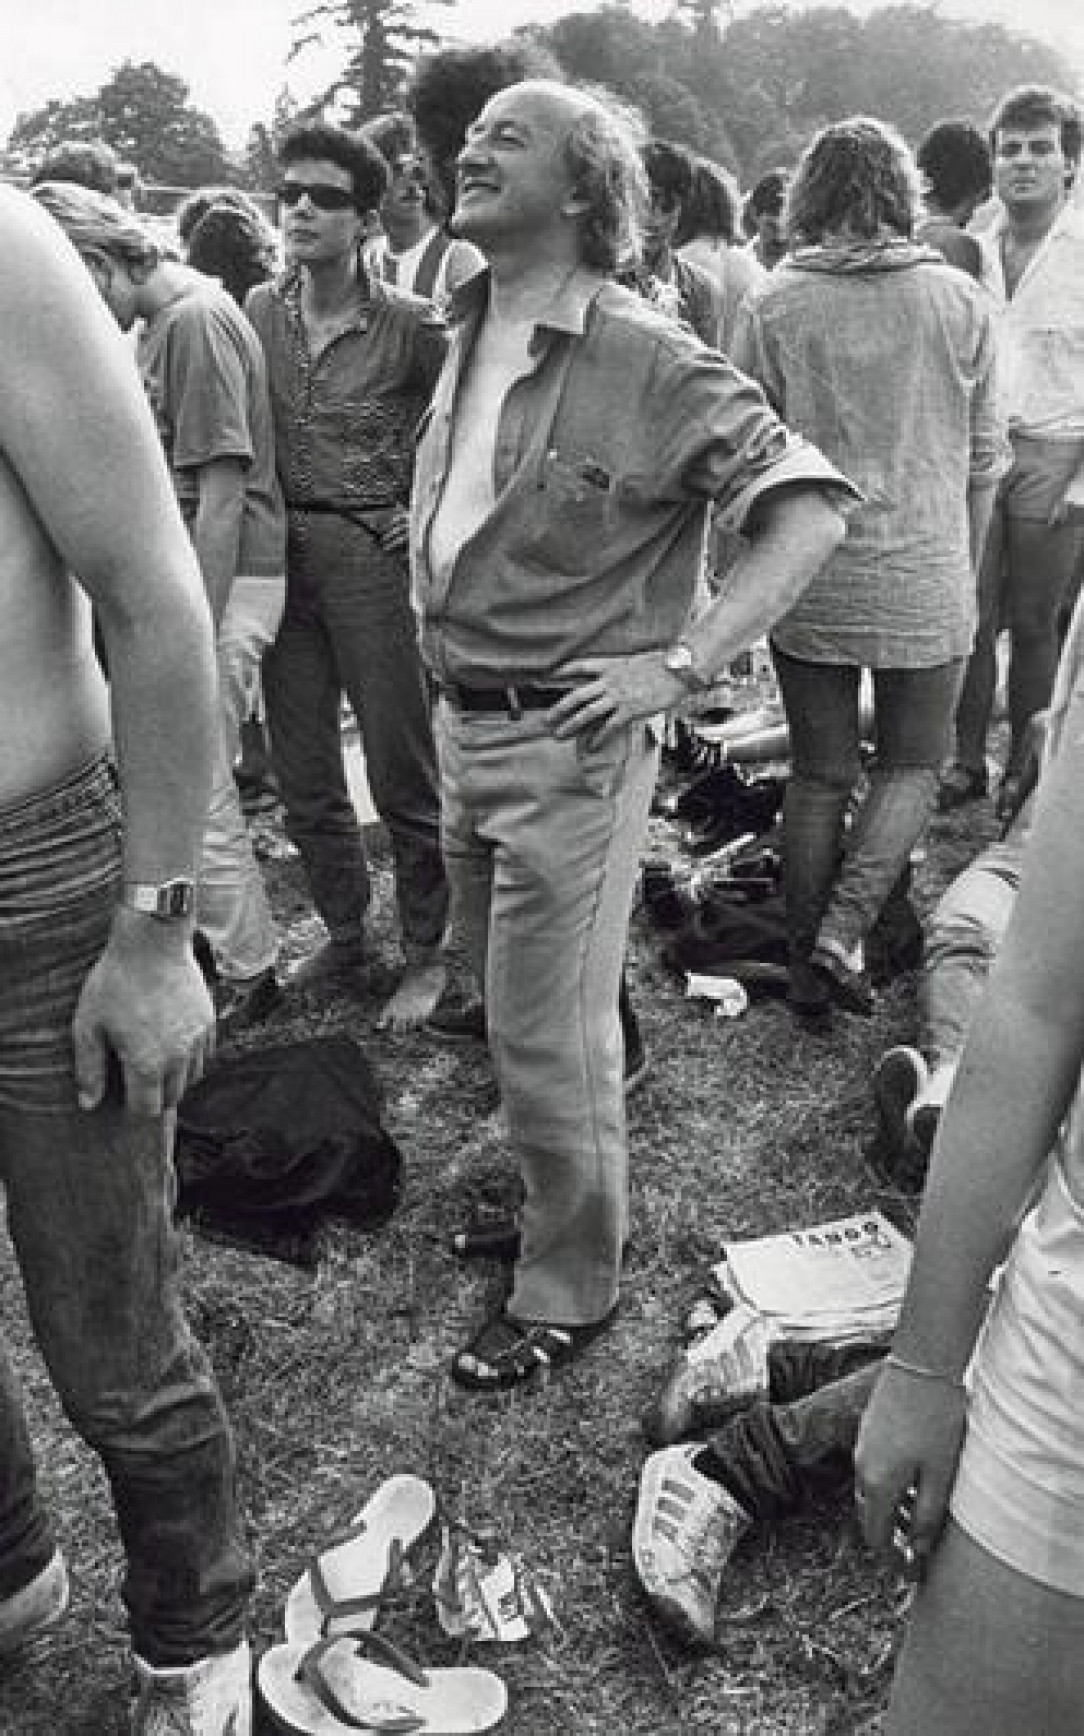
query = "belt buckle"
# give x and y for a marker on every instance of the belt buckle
(515, 709)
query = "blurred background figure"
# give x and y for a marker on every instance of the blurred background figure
(129, 186)
(235, 245)
(957, 177)
(86, 162)
(414, 251)
(762, 218)
(707, 236)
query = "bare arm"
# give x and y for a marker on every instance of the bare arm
(1020, 1067)
(798, 529)
(980, 509)
(77, 431)
(216, 532)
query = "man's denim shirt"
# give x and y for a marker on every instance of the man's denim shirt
(608, 455)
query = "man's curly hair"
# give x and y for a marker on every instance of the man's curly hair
(955, 159)
(235, 247)
(604, 155)
(856, 178)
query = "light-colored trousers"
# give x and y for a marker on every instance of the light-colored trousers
(232, 907)
(542, 841)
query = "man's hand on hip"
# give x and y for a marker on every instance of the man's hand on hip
(610, 692)
(146, 1003)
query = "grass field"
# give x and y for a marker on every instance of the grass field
(336, 1379)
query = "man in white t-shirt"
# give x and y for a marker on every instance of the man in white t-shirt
(415, 252)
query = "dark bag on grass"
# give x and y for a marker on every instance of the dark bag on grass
(272, 1141)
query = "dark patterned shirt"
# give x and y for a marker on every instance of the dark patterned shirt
(345, 420)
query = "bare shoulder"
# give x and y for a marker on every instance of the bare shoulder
(32, 242)
(46, 312)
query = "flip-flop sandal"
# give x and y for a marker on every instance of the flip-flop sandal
(343, 1587)
(365, 1683)
(508, 1352)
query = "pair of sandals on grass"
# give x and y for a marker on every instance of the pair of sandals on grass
(335, 1675)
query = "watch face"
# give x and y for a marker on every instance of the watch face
(175, 898)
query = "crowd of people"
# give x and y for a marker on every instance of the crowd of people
(507, 440)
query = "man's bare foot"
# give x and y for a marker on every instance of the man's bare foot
(420, 988)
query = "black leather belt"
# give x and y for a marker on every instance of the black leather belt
(513, 700)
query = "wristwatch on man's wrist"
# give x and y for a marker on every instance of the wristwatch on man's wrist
(680, 660)
(167, 900)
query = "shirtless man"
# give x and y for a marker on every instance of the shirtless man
(104, 1017)
(576, 443)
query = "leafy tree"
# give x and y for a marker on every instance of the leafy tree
(147, 117)
(41, 131)
(384, 36)
(751, 88)
(144, 113)
(643, 64)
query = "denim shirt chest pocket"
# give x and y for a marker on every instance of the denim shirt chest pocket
(572, 510)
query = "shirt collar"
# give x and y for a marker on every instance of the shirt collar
(567, 311)
(1069, 220)
(371, 289)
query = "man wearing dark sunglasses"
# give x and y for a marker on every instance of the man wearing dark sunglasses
(351, 365)
(415, 251)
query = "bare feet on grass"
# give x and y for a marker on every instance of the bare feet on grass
(420, 988)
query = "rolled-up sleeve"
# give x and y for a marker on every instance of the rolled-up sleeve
(720, 440)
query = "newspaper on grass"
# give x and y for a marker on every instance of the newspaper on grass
(838, 1281)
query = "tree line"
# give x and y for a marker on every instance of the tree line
(747, 90)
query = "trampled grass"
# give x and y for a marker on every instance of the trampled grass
(336, 1379)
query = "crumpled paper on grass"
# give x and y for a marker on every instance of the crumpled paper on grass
(484, 1593)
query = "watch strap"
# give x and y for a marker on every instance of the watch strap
(168, 900)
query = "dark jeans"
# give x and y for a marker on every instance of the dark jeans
(1025, 578)
(349, 628)
(835, 896)
(89, 1213)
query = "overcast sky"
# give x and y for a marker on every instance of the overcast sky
(232, 53)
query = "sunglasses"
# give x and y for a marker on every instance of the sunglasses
(324, 198)
(411, 171)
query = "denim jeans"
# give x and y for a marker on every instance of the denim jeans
(1025, 577)
(835, 892)
(962, 939)
(89, 1198)
(349, 627)
(542, 839)
(233, 909)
